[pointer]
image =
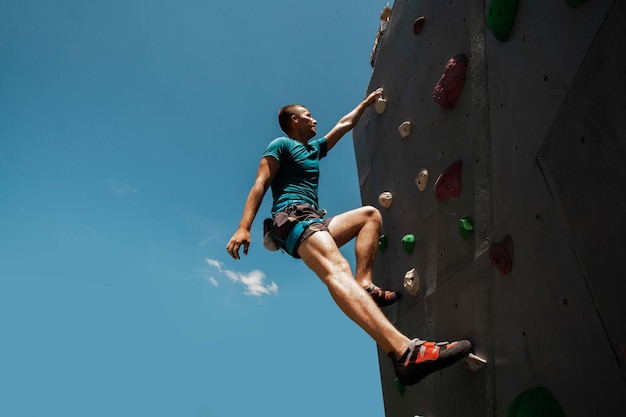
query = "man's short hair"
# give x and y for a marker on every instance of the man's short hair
(284, 116)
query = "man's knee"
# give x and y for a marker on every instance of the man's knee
(373, 214)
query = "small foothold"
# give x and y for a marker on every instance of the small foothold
(382, 243)
(399, 386)
(408, 243)
(466, 226)
(537, 402)
(450, 85)
(418, 25)
(501, 255)
(385, 199)
(380, 105)
(473, 362)
(449, 184)
(500, 18)
(422, 180)
(412, 282)
(405, 129)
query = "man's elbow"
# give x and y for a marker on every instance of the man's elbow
(345, 124)
(261, 185)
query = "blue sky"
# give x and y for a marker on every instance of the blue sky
(130, 134)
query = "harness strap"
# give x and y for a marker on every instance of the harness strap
(296, 233)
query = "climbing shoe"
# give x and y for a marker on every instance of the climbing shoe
(383, 298)
(423, 358)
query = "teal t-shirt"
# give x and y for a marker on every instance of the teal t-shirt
(297, 178)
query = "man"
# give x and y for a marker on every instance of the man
(290, 166)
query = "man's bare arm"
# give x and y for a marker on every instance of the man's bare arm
(265, 175)
(347, 122)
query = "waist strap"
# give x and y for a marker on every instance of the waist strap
(296, 233)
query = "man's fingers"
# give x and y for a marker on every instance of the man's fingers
(233, 249)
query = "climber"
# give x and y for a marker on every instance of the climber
(290, 165)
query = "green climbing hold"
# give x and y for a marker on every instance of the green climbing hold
(466, 227)
(574, 3)
(500, 18)
(399, 386)
(408, 243)
(382, 243)
(537, 402)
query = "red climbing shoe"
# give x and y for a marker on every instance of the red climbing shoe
(423, 358)
(383, 298)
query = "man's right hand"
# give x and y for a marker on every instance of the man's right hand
(241, 237)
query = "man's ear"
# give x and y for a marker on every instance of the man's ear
(294, 118)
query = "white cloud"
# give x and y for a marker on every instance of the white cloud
(214, 263)
(232, 275)
(254, 282)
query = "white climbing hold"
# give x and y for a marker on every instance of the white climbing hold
(412, 282)
(380, 105)
(473, 362)
(422, 180)
(405, 129)
(385, 199)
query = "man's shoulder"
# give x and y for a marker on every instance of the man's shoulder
(278, 147)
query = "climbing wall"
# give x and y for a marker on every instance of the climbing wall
(533, 105)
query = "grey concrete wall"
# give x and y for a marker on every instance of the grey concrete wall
(540, 127)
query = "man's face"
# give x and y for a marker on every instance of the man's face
(305, 123)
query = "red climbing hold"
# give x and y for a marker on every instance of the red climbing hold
(501, 255)
(448, 89)
(418, 25)
(448, 185)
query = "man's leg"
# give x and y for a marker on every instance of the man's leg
(363, 223)
(320, 252)
(412, 359)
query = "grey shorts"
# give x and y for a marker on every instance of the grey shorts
(284, 221)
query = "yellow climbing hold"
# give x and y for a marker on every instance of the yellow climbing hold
(422, 180)
(385, 199)
(405, 129)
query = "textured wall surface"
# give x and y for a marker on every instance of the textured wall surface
(541, 129)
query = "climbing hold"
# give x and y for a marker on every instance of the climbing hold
(466, 226)
(574, 3)
(399, 386)
(448, 89)
(418, 25)
(382, 243)
(422, 180)
(500, 18)
(405, 129)
(537, 402)
(380, 105)
(501, 255)
(408, 243)
(412, 282)
(385, 199)
(473, 362)
(448, 185)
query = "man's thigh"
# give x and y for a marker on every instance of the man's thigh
(345, 226)
(321, 254)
